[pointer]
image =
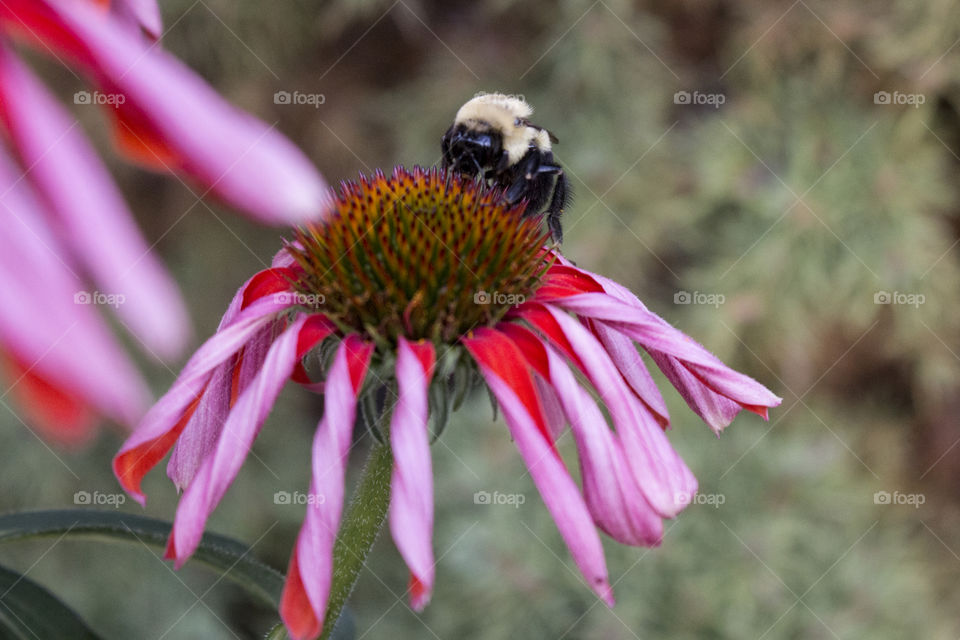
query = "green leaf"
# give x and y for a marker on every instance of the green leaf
(27, 610)
(228, 557)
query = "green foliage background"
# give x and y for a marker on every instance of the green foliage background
(798, 200)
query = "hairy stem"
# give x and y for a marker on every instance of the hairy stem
(359, 530)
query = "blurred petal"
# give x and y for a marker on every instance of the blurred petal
(160, 428)
(508, 378)
(173, 118)
(45, 321)
(411, 486)
(304, 600)
(57, 414)
(89, 209)
(144, 13)
(218, 469)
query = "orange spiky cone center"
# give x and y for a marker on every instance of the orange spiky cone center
(422, 254)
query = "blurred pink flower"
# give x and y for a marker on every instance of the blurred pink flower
(408, 269)
(64, 223)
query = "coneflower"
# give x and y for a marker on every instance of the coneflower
(421, 285)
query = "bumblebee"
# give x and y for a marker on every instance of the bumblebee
(491, 137)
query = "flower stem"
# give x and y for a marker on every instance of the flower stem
(359, 530)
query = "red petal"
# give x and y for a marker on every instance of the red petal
(358, 359)
(131, 466)
(497, 352)
(541, 319)
(295, 607)
(530, 345)
(268, 281)
(315, 330)
(562, 281)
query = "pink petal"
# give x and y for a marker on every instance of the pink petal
(228, 381)
(144, 13)
(656, 335)
(303, 604)
(160, 428)
(501, 365)
(41, 322)
(625, 356)
(660, 473)
(89, 210)
(612, 495)
(218, 469)
(411, 502)
(714, 408)
(170, 118)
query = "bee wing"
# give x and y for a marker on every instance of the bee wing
(526, 123)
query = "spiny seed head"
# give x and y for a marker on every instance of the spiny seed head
(422, 254)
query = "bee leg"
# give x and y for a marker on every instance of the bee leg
(523, 174)
(560, 199)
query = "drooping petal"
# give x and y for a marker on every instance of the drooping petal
(303, 604)
(228, 381)
(628, 360)
(168, 117)
(89, 209)
(47, 321)
(661, 474)
(411, 488)
(713, 406)
(656, 335)
(160, 428)
(613, 497)
(220, 467)
(501, 364)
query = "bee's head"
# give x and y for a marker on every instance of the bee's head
(471, 150)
